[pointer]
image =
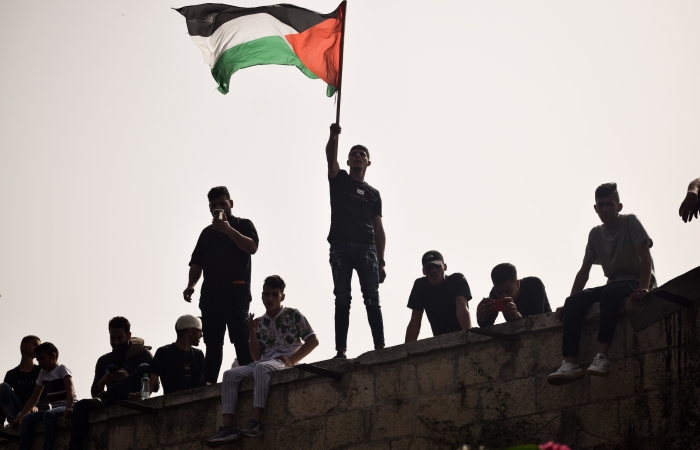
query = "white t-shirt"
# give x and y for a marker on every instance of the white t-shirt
(54, 386)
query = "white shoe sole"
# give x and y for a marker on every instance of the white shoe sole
(218, 442)
(596, 373)
(561, 379)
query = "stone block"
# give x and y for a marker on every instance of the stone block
(537, 353)
(392, 421)
(654, 337)
(312, 400)
(414, 443)
(543, 322)
(359, 392)
(660, 369)
(98, 436)
(436, 375)
(266, 441)
(444, 341)
(345, 428)
(551, 398)
(186, 423)
(305, 435)
(457, 408)
(145, 433)
(624, 380)
(384, 355)
(518, 396)
(599, 424)
(189, 396)
(493, 360)
(396, 383)
(121, 435)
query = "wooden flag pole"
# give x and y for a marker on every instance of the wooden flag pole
(344, 5)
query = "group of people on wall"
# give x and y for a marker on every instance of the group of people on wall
(282, 337)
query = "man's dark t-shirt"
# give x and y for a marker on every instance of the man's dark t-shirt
(178, 370)
(222, 261)
(23, 383)
(439, 302)
(531, 301)
(118, 359)
(353, 207)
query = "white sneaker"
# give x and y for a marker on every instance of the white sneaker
(599, 366)
(567, 373)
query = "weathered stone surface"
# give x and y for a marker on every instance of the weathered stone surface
(436, 375)
(493, 360)
(537, 353)
(345, 428)
(396, 383)
(459, 408)
(384, 355)
(444, 341)
(624, 379)
(121, 435)
(599, 424)
(305, 435)
(360, 391)
(551, 398)
(325, 398)
(392, 421)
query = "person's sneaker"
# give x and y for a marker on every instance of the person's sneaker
(340, 355)
(566, 373)
(599, 366)
(224, 435)
(253, 429)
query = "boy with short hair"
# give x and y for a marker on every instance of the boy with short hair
(57, 380)
(275, 344)
(621, 246)
(19, 383)
(524, 297)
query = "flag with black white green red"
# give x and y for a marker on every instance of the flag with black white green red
(233, 38)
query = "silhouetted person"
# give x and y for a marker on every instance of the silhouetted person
(357, 240)
(690, 207)
(19, 383)
(223, 254)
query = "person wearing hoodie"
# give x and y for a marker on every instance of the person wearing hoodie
(117, 373)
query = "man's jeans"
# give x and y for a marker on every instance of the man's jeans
(344, 257)
(10, 404)
(610, 297)
(49, 418)
(115, 392)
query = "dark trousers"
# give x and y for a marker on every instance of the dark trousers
(344, 258)
(216, 316)
(115, 392)
(610, 297)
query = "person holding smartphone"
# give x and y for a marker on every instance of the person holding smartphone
(223, 253)
(514, 298)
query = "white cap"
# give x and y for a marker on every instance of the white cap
(188, 321)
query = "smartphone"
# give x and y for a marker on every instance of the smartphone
(501, 304)
(218, 214)
(113, 369)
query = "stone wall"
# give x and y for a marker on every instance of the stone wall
(458, 388)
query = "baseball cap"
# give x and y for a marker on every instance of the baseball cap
(188, 321)
(433, 257)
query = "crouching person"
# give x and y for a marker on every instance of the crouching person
(275, 344)
(57, 380)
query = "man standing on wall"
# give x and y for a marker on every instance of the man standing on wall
(223, 254)
(357, 240)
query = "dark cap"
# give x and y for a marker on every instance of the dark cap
(433, 257)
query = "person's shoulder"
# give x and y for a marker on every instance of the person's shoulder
(62, 369)
(456, 277)
(164, 349)
(13, 372)
(105, 358)
(420, 283)
(630, 218)
(342, 174)
(531, 282)
(371, 188)
(292, 311)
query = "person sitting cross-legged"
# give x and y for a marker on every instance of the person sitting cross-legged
(519, 298)
(275, 344)
(179, 365)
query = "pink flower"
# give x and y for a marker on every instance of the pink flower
(553, 446)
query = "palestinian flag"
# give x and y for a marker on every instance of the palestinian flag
(233, 38)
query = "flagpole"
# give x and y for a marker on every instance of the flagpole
(344, 5)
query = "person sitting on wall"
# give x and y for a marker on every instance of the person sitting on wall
(690, 206)
(117, 373)
(517, 299)
(57, 380)
(19, 383)
(444, 299)
(275, 344)
(179, 365)
(621, 246)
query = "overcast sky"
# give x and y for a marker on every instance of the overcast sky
(490, 124)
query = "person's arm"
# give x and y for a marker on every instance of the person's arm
(68, 383)
(465, 320)
(413, 328)
(579, 283)
(486, 312)
(153, 382)
(253, 346)
(380, 243)
(31, 403)
(644, 273)
(690, 206)
(193, 277)
(310, 343)
(511, 312)
(332, 151)
(243, 242)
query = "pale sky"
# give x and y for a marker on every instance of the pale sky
(490, 124)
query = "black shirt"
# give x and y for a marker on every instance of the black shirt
(439, 302)
(23, 383)
(353, 207)
(178, 370)
(222, 260)
(118, 360)
(531, 301)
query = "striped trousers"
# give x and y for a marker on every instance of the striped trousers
(261, 372)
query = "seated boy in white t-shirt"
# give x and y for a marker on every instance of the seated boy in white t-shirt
(57, 380)
(275, 344)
